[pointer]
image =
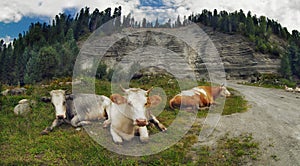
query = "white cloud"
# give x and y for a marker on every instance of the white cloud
(7, 39)
(285, 12)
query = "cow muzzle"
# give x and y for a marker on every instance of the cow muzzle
(141, 122)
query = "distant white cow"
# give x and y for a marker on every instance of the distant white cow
(297, 89)
(131, 117)
(88, 110)
(288, 89)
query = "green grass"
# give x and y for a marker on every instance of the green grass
(235, 103)
(271, 81)
(230, 151)
(22, 144)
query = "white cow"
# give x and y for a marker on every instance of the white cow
(131, 117)
(288, 89)
(153, 101)
(87, 109)
(297, 89)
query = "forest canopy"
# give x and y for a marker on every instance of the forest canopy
(46, 51)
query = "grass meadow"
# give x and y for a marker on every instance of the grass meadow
(22, 144)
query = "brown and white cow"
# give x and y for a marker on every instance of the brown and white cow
(87, 109)
(153, 101)
(131, 117)
(198, 97)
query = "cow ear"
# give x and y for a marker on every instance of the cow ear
(51, 93)
(222, 85)
(149, 90)
(70, 97)
(63, 91)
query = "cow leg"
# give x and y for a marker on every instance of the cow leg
(106, 123)
(84, 123)
(108, 120)
(160, 126)
(74, 121)
(144, 135)
(116, 138)
(55, 123)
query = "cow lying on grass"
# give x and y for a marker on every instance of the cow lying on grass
(65, 109)
(198, 97)
(130, 117)
(125, 119)
(153, 101)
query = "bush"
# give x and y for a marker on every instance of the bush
(101, 71)
(109, 74)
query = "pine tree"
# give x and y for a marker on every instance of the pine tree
(285, 68)
(144, 23)
(156, 25)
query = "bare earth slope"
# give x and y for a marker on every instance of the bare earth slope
(274, 121)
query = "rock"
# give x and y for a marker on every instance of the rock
(46, 99)
(5, 92)
(23, 108)
(17, 91)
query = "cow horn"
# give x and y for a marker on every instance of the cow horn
(148, 91)
(222, 84)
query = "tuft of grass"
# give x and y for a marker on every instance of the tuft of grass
(235, 103)
(230, 151)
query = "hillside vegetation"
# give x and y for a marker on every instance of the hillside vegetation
(48, 51)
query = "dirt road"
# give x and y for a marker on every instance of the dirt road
(273, 119)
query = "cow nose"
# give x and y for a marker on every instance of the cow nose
(60, 116)
(141, 122)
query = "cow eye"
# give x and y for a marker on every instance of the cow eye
(147, 104)
(64, 103)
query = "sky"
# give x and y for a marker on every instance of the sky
(16, 15)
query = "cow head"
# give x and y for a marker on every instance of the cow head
(58, 99)
(137, 103)
(224, 91)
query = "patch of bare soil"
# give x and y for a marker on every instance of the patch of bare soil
(274, 120)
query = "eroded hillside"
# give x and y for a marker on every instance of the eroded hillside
(173, 48)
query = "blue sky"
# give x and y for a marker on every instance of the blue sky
(16, 15)
(12, 29)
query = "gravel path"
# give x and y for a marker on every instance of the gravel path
(273, 119)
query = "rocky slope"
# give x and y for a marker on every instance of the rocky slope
(240, 59)
(180, 51)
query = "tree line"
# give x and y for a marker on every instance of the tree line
(46, 51)
(258, 30)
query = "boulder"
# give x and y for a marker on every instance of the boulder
(5, 92)
(23, 108)
(17, 91)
